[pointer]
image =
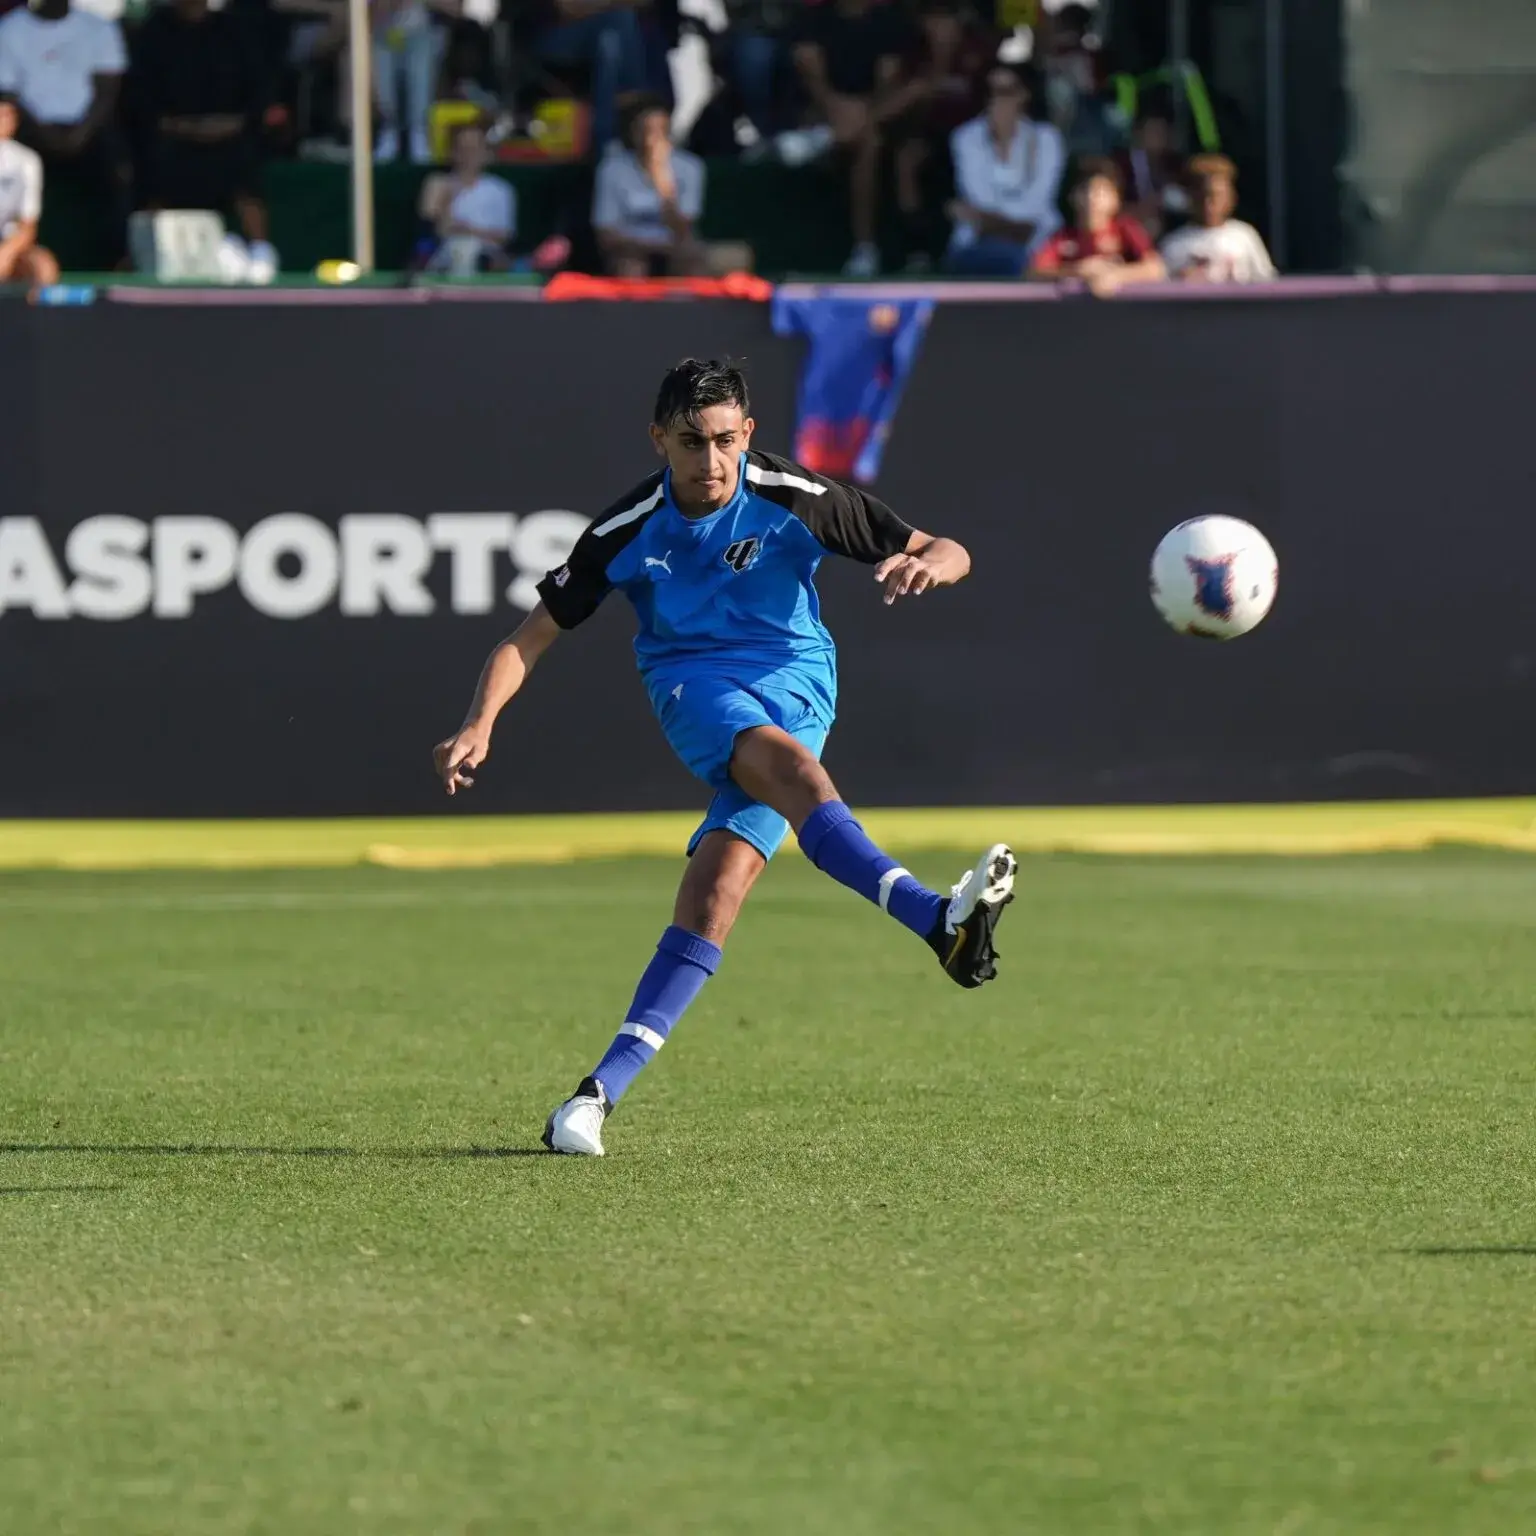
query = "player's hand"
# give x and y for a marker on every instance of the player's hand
(455, 758)
(905, 576)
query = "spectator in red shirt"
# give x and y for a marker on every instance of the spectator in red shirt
(1102, 246)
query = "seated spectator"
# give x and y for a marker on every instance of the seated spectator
(848, 56)
(198, 83)
(647, 201)
(472, 217)
(1007, 176)
(1103, 247)
(607, 36)
(1214, 247)
(407, 45)
(65, 69)
(1154, 174)
(944, 88)
(22, 259)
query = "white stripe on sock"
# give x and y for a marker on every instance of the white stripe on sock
(887, 880)
(641, 1032)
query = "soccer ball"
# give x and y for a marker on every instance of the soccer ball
(1214, 577)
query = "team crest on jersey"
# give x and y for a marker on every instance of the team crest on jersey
(742, 553)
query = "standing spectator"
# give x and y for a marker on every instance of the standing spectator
(1154, 176)
(22, 259)
(944, 88)
(473, 216)
(1076, 77)
(1104, 248)
(608, 36)
(408, 45)
(1008, 176)
(849, 57)
(65, 68)
(1215, 247)
(199, 85)
(647, 201)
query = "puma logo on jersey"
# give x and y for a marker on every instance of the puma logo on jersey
(742, 553)
(662, 564)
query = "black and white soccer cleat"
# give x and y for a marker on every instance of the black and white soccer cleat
(962, 938)
(576, 1126)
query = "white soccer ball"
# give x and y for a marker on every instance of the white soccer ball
(1214, 577)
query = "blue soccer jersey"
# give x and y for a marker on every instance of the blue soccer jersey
(730, 594)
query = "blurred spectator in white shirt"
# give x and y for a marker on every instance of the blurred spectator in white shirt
(65, 68)
(1214, 247)
(473, 215)
(22, 259)
(1008, 172)
(648, 199)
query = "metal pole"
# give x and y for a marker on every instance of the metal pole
(1178, 57)
(1274, 130)
(360, 47)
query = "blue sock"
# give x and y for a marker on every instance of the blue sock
(682, 964)
(837, 845)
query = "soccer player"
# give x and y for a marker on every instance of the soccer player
(717, 553)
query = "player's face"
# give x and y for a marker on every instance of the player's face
(8, 120)
(704, 455)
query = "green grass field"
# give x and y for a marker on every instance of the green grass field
(1217, 1213)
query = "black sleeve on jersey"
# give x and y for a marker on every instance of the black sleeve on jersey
(574, 591)
(851, 522)
(843, 519)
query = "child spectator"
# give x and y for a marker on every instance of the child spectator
(1214, 247)
(22, 259)
(473, 216)
(1008, 175)
(849, 57)
(1103, 247)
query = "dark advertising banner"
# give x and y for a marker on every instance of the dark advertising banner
(250, 559)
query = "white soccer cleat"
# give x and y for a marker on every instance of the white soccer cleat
(962, 938)
(576, 1127)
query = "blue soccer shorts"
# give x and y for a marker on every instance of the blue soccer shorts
(702, 716)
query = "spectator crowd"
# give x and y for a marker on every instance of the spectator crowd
(987, 151)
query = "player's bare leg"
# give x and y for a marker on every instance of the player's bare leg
(771, 766)
(723, 869)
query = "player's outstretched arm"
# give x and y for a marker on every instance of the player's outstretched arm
(505, 671)
(927, 562)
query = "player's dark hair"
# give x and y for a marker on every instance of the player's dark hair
(692, 386)
(10, 99)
